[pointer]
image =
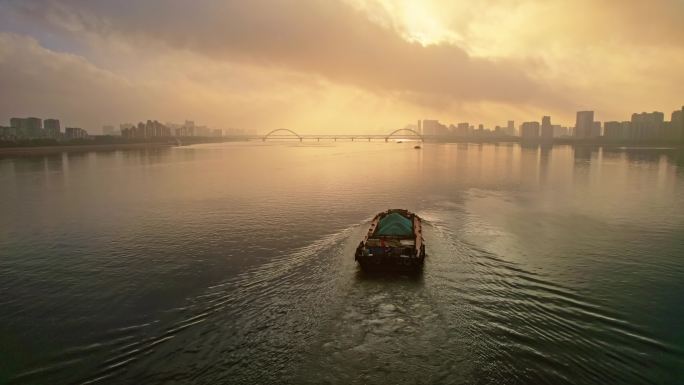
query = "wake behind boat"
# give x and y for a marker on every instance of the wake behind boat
(394, 240)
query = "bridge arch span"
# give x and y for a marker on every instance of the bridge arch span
(405, 129)
(282, 130)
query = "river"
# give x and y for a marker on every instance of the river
(233, 263)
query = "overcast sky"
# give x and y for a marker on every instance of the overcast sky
(338, 65)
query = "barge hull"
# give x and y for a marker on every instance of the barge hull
(394, 242)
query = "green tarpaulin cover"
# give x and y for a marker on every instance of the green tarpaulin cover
(395, 224)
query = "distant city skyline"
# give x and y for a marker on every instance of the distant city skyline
(116, 127)
(642, 127)
(38, 128)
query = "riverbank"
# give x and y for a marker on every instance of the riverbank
(100, 145)
(85, 147)
(43, 150)
(560, 141)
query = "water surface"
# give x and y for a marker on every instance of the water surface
(233, 263)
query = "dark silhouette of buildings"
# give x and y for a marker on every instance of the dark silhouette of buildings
(151, 129)
(546, 129)
(648, 126)
(529, 131)
(52, 128)
(27, 127)
(75, 133)
(676, 131)
(510, 128)
(596, 130)
(584, 124)
(17, 123)
(434, 127)
(643, 127)
(463, 129)
(616, 130)
(32, 128)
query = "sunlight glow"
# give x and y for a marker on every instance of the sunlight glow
(423, 26)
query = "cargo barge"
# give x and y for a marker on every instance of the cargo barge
(394, 241)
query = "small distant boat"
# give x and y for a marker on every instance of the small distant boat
(394, 241)
(399, 141)
(417, 147)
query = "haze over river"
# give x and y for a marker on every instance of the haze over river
(233, 263)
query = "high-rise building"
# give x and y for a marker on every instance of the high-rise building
(127, 130)
(648, 126)
(19, 126)
(584, 124)
(427, 127)
(75, 133)
(614, 131)
(150, 129)
(560, 131)
(529, 130)
(510, 128)
(596, 130)
(434, 127)
(27, 127)
(140, 130)
(627, 130)
(463, 129)
(187, 129)
(202, 131)
(546, 128)
(677, 125)
(34, 127)
(16, 122)
(52, 128)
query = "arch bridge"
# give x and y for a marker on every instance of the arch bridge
(404, 129)
(289, 134)
(284, 133)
